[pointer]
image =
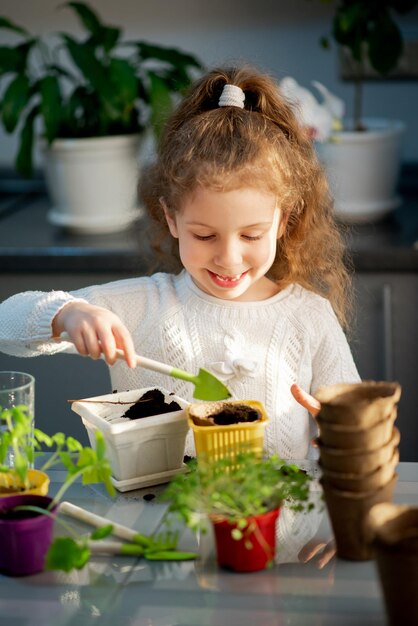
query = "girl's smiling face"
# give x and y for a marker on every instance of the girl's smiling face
(228, 241)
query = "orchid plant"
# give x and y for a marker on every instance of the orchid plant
(321, 118)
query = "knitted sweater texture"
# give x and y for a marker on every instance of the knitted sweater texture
(258, 348)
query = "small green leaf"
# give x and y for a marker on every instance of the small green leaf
(66, 554)
(102, 532)
(72, 444)
(43, 437)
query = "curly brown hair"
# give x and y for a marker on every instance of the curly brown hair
(261, 146)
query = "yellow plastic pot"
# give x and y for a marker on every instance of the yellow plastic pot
(38, 481)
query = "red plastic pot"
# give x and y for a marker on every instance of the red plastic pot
(25, 536)
(254, 551)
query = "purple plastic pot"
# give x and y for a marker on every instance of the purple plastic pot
(24, 536)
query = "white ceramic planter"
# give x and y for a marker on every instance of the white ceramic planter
(92, 183)
(363, 170)
(142, 452)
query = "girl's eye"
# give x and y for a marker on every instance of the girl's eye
(254, 238)
(203, 237)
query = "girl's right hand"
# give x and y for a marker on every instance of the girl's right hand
(94, 331)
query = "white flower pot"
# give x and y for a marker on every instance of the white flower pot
(92, 183)
(363, 170)
(142, 452)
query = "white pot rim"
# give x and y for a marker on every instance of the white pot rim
(90, 143)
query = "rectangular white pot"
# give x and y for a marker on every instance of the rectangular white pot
(138, 448)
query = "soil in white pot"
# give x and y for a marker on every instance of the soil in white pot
(152, 402)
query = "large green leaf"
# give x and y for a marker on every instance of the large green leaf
(385, 44)
(160, 102)
(173, 56)
(15, 100)
(9, 25)
(350, 28)
(84, 57)
(51, 106)
(15, 59)
(88, 17)
(105, 36)
(95, 73)
(80, 115)
(24, 158)
(122, 76)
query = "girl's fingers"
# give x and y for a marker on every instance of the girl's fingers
(125, 343)
(92, 343)
(306, 400)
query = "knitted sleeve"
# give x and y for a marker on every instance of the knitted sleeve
(25, 322)
(26, 318)
(332, 361)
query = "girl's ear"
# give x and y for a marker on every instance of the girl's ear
(171, 223)
(284, 218)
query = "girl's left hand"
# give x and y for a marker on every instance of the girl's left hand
(322, 551)
(306, 400)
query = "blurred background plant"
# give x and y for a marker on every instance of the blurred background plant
(96, 87)
(368, 31)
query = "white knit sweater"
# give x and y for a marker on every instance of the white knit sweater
(258, 348)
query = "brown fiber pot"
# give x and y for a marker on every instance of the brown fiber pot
(361, 404)
(363, 482)
(357, 461)
(348, 513)
(349, 437)
(394, 534)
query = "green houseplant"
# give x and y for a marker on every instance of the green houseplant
(368, 32)
(27, 519)
(363, 159)
(241, 496)
(100, 90)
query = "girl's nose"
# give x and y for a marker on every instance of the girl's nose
(228, 254)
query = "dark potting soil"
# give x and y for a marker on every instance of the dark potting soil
(235, 414)
(151, 403)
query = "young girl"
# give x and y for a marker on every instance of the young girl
(262, 296)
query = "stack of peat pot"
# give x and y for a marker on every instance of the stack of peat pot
(358, 447)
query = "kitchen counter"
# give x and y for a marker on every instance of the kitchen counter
(29, 243)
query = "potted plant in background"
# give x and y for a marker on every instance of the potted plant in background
(363, 159)
(241, 496)
(94, 99)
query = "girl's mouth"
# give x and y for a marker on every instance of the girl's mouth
(227, 281)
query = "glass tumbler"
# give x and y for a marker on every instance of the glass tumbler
(16, 388)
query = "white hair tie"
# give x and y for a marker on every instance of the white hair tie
(232, 96)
